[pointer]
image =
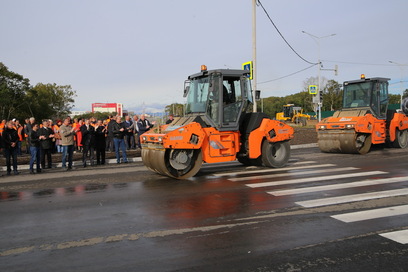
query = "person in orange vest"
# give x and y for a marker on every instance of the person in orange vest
(2, 126)
(79, 134)
(58, 136)
(20, 132)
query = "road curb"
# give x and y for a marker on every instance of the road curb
(74, 163)
(135, 159)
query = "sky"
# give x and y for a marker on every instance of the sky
(140, 52)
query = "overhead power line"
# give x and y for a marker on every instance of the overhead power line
(289, 74)
(362, 63)
(270, 19)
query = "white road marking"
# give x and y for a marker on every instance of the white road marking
(372, 214)
(301, 162)
(318, 171)
(312, 179)
(400, 236)
(351, 198)
(337, 186)
(266, 170)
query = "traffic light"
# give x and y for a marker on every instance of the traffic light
(321, 96)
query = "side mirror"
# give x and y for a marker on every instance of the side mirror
(257, 95)
(186, 90)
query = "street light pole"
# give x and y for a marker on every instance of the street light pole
(319, 67)
(254, 68)
(401, 66)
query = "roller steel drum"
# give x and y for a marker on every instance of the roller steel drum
(343, 141)
(175, 163)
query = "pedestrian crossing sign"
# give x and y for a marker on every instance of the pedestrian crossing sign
(248, 66)
(312, 89)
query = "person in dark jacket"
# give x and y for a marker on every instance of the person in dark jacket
(144, 124)
(119, 131)
(35, 150)
(46, 143)
(110, 146)
(129, 132)
(171, 119)
(27, 129)
(88, 142)
(10, 141)
(100, 142)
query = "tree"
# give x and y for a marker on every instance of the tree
(332, 96)
(273, 105)
(394, 98)
(175, 109)
(98, 115)
(51, 100)
(13, 88)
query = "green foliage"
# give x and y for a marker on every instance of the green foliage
(176, 109)
(51, 100)
(394, 99)
(332, 96)
(13, 88)
(18, 99)
(98, 115)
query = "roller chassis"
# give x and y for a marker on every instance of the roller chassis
(355, 129)
(179, 152)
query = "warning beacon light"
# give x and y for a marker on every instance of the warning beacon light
(362, 76)
(203, 68)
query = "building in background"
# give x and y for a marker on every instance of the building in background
(108, 107)
(75, 113)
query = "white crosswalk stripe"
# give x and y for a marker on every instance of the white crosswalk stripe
(298, 173)
(313, 189)
(313, 179)
(372, 214)
(294, 175)
(351, 198)
(400, 236)
(271, 170)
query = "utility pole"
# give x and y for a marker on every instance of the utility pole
(254, 69)
(401, 66)
(319, 67)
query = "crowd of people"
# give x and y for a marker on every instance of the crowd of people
(67, 136)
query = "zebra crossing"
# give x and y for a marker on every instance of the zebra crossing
(307, 173)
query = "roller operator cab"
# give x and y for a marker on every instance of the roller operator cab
(364, 120)
(218, 126)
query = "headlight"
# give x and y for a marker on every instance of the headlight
(349, 126)
(144, 138)
(322, 127)
(160, 139)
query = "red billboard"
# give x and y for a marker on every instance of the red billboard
(108, 107)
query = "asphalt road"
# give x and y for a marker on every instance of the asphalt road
(323, 212)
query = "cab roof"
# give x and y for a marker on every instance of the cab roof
(381, 79)
(225, 72)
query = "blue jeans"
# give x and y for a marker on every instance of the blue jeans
(35, 157)
(67, 150)
(19, 148)
(120, 143)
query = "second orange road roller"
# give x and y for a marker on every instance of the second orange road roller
(364, 119)
(218, 126)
